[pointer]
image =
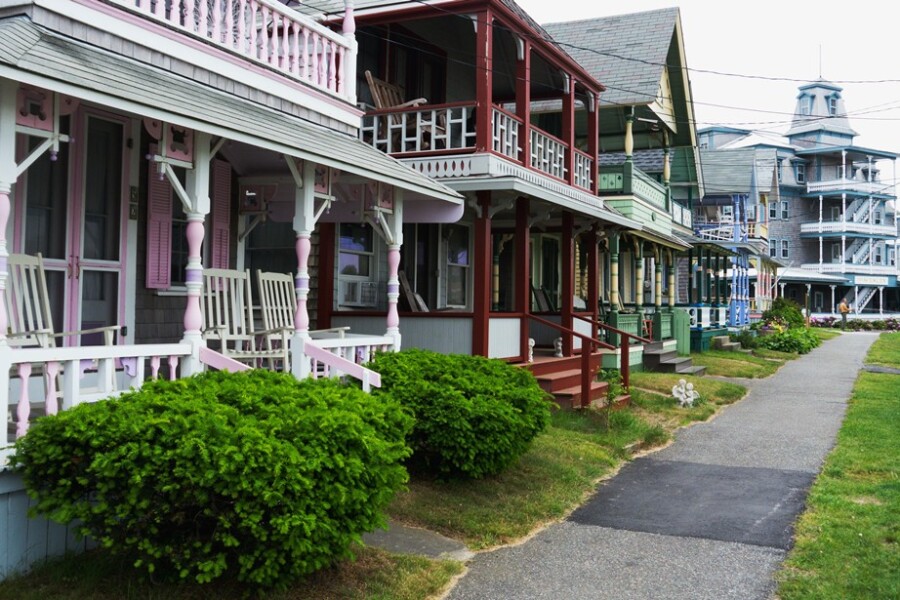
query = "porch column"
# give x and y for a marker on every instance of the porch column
(832, 298)
(568, 128)
(843, 253)
(8, 91)
(482, 271)
(671, 280)
(593, 143)
(593, 271)
(628, 167)
(523, 98)
(856, 299)
(304, 224)
(484, 69)
(523, 271)
(657, 284)
(880, 299)
(614, 273)
(733, 302)
(393, 259)
(567, 281)
(197, 187)
(639, 277)
(781, 285)
(691, 276)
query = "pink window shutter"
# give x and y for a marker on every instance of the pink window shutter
(220, 236)
(159, 231)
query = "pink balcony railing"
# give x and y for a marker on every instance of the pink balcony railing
(265, 32)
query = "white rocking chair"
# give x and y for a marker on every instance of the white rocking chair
(227, 309)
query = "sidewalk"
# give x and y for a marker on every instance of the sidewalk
(710, 516)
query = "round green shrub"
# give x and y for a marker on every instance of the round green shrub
(473, 415)
(784, 311)
(255, 475)
(799, 340)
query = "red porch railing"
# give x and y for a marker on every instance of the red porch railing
(624, 367)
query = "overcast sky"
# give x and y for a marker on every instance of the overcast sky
(778, 39)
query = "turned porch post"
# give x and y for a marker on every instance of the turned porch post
(671, 282)
(395, 222)
(639, 278)
(523, 98)
(567, 280)
(481, 308)
(8, 91)
(614, 273)
(304, 224)
(523, 271)
(658, 272)
(593, 273)
(197, 187)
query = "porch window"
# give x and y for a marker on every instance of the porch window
(356, 266)
(457, 241)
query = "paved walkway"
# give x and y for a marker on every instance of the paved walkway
(709, 517)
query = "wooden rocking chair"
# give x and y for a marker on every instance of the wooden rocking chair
(227, 309)
(388, 95)
(278, 304)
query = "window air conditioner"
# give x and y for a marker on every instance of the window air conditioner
(358, 293)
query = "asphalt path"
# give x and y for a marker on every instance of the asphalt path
(709, 517)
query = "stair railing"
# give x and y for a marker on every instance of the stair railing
(624, 336)
(588, 344)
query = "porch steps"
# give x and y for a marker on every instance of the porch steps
(561, 377)
(723, 342)
(657, 358)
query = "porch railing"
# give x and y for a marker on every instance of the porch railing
(265, 32)
(505, 128)
(584, 170)
(623, 338)
(332, 357)
(70, 364)
(758, 231)
(442, 127)
(548, 154)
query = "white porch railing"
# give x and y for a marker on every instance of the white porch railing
(336, 356)
(70, 363)
(849, 185)
(584, 171)
(548, 154)
(848, 227)
(681, 215)
(757, 231)
(265, 32)
(837, 267)
(421, 129)
(505, 133)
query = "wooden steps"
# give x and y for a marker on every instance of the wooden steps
(723, 342)
(657, 358)
(561, 377)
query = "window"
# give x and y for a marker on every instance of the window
(179, 258)
(773, 211)
(878, 254)
(800, 172)
(806, 104)
(356, 265)
(773, 248)
(457, 241)
(892, 256)
(784, 209)
(785, 251)
(832, 105)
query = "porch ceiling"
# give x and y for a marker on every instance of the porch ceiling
(39, 57)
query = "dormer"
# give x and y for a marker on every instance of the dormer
(820, 109)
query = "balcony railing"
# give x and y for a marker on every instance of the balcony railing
(758, 231)
(613, 181)
(584, 170)
(267, 33)
(848, 185)
(848, 227)
(548, 154)
(837, 267)
(681, 215)
(506, 127)
(426, 128)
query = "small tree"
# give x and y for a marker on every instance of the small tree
(614, 389)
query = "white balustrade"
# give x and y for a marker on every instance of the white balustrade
(421, 129)
(849, 185)
(848, 227)
(505, 134)
(584, 170)
(337, 356)
(107, 369)
(265, 32)
(548, 154)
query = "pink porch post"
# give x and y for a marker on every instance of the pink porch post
(304, 224)
(393, 260)
(197, 181)
(8, 90)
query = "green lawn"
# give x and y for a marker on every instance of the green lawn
(735, 364)
(848, 541)
(99, 576)
(886, 351)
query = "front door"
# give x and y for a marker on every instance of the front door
(73, 216)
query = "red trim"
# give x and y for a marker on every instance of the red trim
(593, 136)
(593, 270)
(484, 78)
(568, 131)
(523, 102)
(523, 269)
(568, 279)
(325, 301)
(482, 289)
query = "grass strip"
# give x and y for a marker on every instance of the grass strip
(848, 540)
(885, 351)
(735, 364)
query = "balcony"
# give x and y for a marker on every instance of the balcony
(827, 228)
(444, 131)
(260, 44)
(837, 186)
(837, 267)
(758, 231)
(626, 180)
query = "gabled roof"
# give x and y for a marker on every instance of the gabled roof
(728, 171)
(626, 53)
